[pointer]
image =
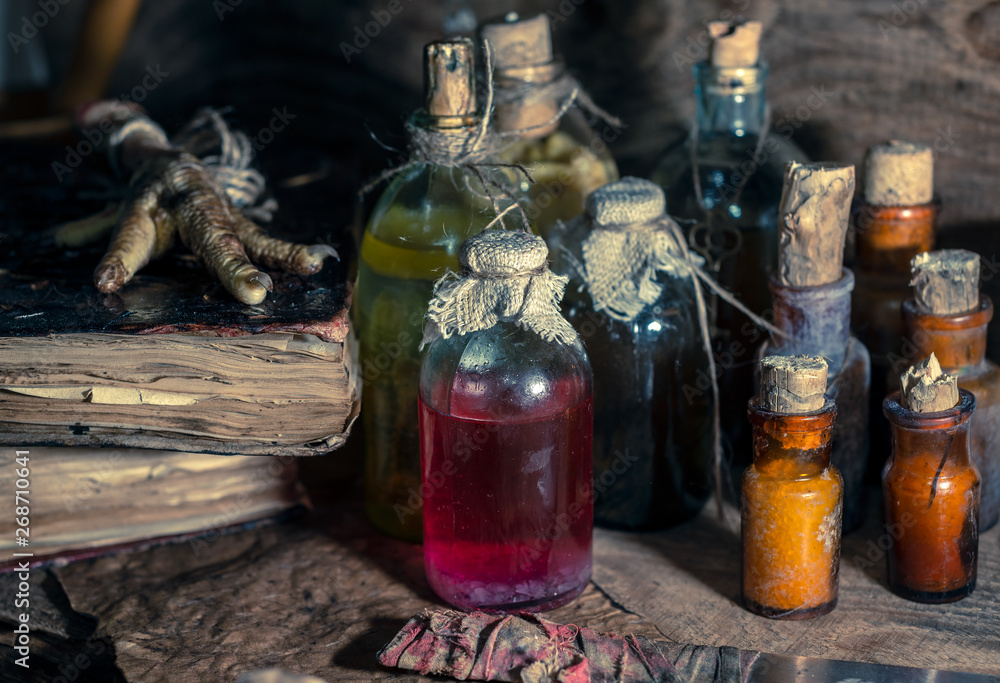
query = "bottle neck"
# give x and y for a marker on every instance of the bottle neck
(958, 341)
(792, 446)
(730, 100)
(931, 436)
(889, 236)
(816, 321)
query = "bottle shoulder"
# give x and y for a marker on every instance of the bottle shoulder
(428, 206)
(504, 372)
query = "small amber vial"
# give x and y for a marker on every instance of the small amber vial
(791, 509)
(930, 488)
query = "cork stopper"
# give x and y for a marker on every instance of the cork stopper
(449, 78)
(814, 213)
(734, 44)
(522, 62)
(792, 384)
(630, 201)
(926, 389)
(518, 43)
(946, 282)
(899, 174)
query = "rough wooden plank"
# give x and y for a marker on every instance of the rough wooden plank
(687, 582)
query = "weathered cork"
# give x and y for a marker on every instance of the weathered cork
(734, 44)
(926, 389)
(946, 282)
(813, 218)
(792, 384)
(519, 42)
(899, 174)
(449, 78)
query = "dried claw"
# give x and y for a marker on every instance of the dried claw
(248, 284)
(321, 251)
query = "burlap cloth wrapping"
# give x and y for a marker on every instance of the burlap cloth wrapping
(505, 277)
(631, 241)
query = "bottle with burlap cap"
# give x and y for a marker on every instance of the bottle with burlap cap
(506, 429)
(633, 301)
(792, 496)
(811, 304)
(893, 220)
(446, 192)
(538, 113)
(947, 315)
(931, 487)
(724, 181)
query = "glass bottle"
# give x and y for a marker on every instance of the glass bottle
(816, 321)
(726, 178)
(653, 407)
(411, 239)
(931, 496)
(959, 342)
(886, 238)
(566, 158)
(506, 424)
(791, 513)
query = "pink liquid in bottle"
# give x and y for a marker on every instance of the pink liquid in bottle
(508, 508)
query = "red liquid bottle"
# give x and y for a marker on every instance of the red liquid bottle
(506, 433)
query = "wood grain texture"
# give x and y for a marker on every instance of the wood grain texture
(687, 582)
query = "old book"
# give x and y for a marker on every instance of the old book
(171, 361)
(82, 501)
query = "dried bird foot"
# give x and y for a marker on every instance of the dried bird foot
(173, 194)
(89, 229)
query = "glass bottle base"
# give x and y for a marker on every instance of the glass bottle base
(932, 598)
(528, 595)
(799, 614)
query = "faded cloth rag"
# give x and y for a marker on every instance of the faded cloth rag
(505, 277)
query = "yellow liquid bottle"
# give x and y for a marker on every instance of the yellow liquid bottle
(411, 240)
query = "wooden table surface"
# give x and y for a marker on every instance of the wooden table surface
(322, 593)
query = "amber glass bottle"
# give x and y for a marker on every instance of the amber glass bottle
(411, 240)
(931, 495)
(791, 514)
(565, 158)
(959, 342)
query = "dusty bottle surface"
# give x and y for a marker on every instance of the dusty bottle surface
(566, 158)
(411, 239)
(728, 180)
(816, 321)
(653, 406)
(791, 511)
(959, 342)
(931, 494)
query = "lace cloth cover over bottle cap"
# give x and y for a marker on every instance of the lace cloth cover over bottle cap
(505, 277)
(630, 242)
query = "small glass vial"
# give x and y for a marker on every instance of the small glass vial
(506, 426)
(792, 496)
(958, 340)
(531, 88)
(653, 407)
(727, 180)
(931, 495)
(412, 238)
(893, 222)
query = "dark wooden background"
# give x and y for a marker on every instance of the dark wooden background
(924, 70)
